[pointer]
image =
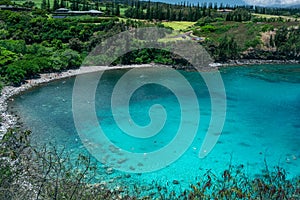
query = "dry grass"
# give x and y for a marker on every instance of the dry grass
(274, 16)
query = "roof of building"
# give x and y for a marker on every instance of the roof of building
(225, 10)
(6, 6)
(95, 11)
(61, 9)
(65, 10)
(13, 8)
(87, 12)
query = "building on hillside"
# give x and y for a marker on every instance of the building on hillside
(64, 12)
(13, 8)
(224, 10)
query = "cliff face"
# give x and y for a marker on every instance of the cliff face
(280, 44)
(263, 54)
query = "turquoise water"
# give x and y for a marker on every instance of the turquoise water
(262, 122)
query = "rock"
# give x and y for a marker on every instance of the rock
(103, 183)
(122, 160)
(111, 180)
(119, 189)
(127, 175)
(109, 170)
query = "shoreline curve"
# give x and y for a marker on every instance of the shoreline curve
(8, 92)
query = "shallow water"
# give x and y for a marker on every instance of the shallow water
(262, 122)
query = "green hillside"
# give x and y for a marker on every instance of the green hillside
(226, 33)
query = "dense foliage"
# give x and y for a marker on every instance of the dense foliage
(287, 42)
(33, 42)
(191, 12)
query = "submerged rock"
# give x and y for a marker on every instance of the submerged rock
(127, 175)
(103, 183)
(109, 170)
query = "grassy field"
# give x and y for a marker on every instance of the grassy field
(273, 16)
(180, 26)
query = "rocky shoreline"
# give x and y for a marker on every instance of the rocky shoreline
(255, 62)
(8, 120)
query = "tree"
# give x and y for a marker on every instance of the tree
(239, 15)
(117, 12)
(62, 4)
(216, 6)
(6, 57)
(221, 6)
(55, 5)
(85, 5)
(97, 5)
(72, 58)
(179, 18)
(168, 16)
(281, 37)
(107, 9)
(253, 42)
(66, 59)
(30, 65)
(29, 4)
(75, 44)
(15, 74)
(16, 46)
(44, 5)
(227, 49)
(148, 11)
(48, 5)
(271, 41)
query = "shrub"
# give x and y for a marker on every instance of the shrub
(16, 46)
(15, 74)
(208, 28)
(253, 43)
(205, 20)
(6, 56)
(267, 27)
